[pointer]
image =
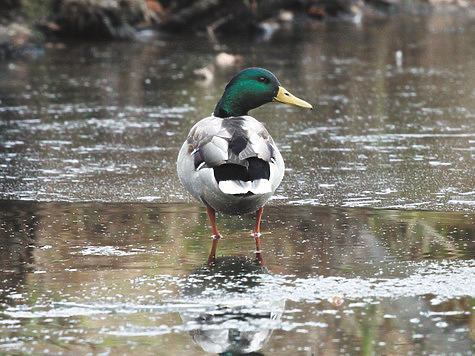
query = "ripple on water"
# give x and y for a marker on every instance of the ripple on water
(442, 280)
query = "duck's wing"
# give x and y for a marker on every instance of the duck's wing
(209, 143)
(215, 141)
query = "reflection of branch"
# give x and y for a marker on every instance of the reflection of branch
(417, 231)
(431, 234)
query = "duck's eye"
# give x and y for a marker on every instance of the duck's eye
(263, 80)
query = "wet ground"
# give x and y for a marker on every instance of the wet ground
(102, 251)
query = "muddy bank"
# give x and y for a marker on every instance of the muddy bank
(24, 25)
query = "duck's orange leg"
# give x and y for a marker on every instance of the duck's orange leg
(257, 229)
(216, 235)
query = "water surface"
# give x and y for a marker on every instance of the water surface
(367, 246)
(111, 278)
(104, 122)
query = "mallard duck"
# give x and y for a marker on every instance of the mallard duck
(229, 162)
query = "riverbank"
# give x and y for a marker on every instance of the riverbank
(26, 25)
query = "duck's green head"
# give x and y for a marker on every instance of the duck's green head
(250, 89)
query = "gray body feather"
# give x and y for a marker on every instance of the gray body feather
(215, 141)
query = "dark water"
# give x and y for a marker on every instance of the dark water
(103, 252)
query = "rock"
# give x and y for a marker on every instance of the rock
(18, 40)
(228, 60)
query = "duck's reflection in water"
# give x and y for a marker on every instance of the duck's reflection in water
(233, 314)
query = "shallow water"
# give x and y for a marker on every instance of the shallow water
(103, 252)
(101, 278)
(104, 122)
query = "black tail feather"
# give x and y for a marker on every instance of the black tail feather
(257, 169)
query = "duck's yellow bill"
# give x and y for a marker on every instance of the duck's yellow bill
(283, 96)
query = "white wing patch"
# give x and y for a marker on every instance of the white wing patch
(234, 186)
(261, 186)
(258, 186)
